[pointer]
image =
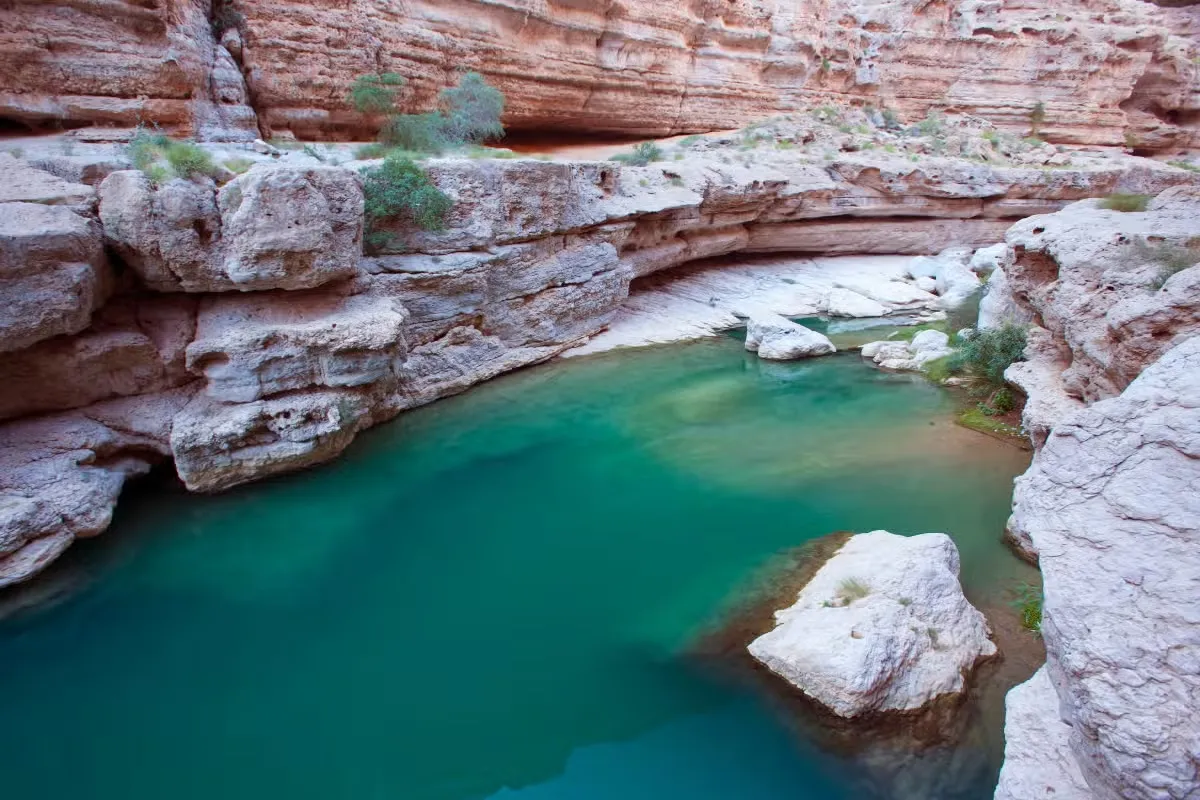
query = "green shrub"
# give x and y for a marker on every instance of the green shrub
(16, 152)
(890, 120)
(238, 165)
(146, 148)
(642, 155)
(688, 141)
(1125, 202)
(472, 110)
(188, 159)
(988, 353)
(399, 189)
(852, 589)
(933, 125)
(1189, 166)
(158, 174)
(940, 369)
(420, 133)
(376, 94)
(1029, 602)
(1171, 258)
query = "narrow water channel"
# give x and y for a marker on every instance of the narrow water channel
(496, 596)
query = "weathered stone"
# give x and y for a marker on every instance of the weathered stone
(60, 475)
(1038, 763)
(271, 228)
(778, 338)
(53, 273)
(1089, 276)
(1111, 504)
(24, 184)
(134, 346)
(252, 346)
(218, 445)
(882, 626)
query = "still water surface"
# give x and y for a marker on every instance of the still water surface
(496, 595)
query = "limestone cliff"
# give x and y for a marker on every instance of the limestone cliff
(259, 339)
(1109, 505)
(1110, 72)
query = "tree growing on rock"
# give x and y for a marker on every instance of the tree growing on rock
(376, 94)
(399, 189)
(473, 110)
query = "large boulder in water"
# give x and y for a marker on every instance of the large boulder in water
(882, 626)
(780, 339)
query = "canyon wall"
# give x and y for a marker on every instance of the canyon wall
(240, 332)
(1109, 505)
(1108, 72)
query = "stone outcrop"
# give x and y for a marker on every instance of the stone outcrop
(53, 273)
(882, 626)
(926, 346)
(61, 474)
(779, 339)
(268, 229)
(120, 63)
(1104, 71)
(253, 305)
(1111, 289)
(1038, 763)
(1111, 505)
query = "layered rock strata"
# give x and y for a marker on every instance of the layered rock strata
(882, 626)
(1110, 72)
(251, 306)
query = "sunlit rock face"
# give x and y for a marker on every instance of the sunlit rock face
(1111, 72)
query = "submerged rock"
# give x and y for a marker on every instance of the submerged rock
(926, 346)
(778, 338)
(882, 626)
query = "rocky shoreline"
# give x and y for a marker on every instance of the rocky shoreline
(239, 331)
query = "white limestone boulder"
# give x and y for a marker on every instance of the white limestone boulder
(998, 306)
(779, 339)
(271, 228)
(882, 626)
(926, 346)
(841, 302)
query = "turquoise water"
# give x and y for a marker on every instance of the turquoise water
(494, 596)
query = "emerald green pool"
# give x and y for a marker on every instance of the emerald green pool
(495, 596)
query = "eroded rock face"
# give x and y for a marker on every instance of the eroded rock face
(61, 474)
(779, 339)
(53, 273)
(134, 346)
(882, 626)
(281, 228)
(1114, 66)
(120, 63)
(1091, 277)
(1111, 504)
(1038, 762)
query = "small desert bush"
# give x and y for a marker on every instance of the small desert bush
(1125, 202)
(376, 94)
(421, 133)
(852, 589)
(399, 189)
(642, 155)
(1171, 258)
(1189, 166)
(1029, 603)
(162, 158)
(988, 353)
(472, 110)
